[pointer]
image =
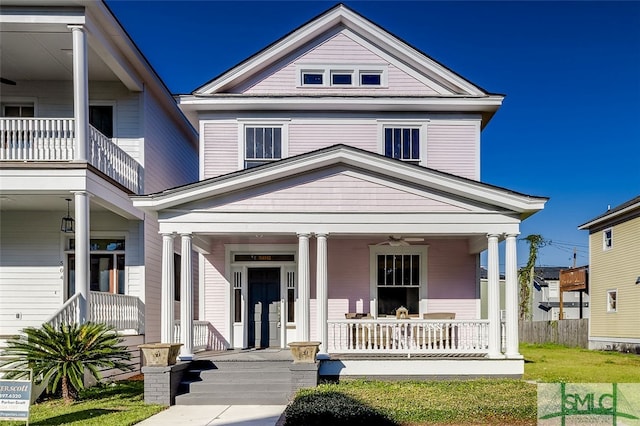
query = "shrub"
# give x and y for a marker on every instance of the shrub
(332, 408)
(60, 356)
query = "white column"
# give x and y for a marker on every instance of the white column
(304, 288)
(82, 254)
(186, 299)
(511, 298)
(322, 287)
(167, 290)
(493, 297)
(80, 92)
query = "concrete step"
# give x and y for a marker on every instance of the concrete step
(269, 398)
(236, 382)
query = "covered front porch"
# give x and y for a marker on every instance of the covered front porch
(361, 267)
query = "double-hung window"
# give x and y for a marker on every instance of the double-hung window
(402, 141)
(106, 266)
(262, 145)
(398, 278)
(607, 239)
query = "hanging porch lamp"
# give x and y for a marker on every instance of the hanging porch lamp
(67, 221)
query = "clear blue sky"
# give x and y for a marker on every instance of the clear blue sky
(569, 128)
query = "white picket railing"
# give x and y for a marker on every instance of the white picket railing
(408, 336)
(53, 139)
(124, 313)
(202, 334)
(69, 313)
(113, 161)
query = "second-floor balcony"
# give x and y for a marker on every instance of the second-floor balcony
(53, 139)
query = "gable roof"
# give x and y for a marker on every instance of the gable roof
(621, 213)
(335, 16)
(468, 189)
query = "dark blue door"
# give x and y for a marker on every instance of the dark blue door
(264, 303)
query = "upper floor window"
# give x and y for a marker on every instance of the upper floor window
(402, 143)
(607, 239)
(312, 78)
(370, 78)
(262, 145)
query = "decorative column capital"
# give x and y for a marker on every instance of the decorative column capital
(490, 236)
(322, 235)
(77, 27)
(185, 235)
(511, 235)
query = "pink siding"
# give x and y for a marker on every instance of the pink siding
(215, 296)
(306, 137)
(451, 269)
(348, 277)
(453, 148)
(220, 150)
(338, 49)
(335, 192)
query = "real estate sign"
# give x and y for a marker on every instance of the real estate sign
(15, 399)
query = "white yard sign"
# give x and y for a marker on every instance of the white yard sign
(15, 399)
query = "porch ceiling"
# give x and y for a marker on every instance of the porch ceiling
(45, 54)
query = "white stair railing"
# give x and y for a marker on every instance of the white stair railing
(69, 313)
(202, 334)
(124, 313)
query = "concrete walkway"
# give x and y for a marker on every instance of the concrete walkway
(217, 415)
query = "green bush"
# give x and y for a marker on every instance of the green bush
(332, 408)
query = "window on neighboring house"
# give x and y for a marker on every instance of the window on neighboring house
(371, 79)
(262, 145)
(612, 300)
(402, 143)
(18, 110)
(398, 283)
(607, 239)
(106, 266)
(101, 117)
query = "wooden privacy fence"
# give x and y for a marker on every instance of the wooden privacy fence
(569, 332)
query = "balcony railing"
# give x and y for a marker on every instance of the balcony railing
(53, 139)
(413, 336)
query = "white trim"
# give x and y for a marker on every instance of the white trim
(19, 101)
(420, 250)
(418, 367)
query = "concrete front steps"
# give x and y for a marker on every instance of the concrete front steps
(236, 383)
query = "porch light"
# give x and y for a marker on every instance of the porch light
(67, 221)
(638, 280)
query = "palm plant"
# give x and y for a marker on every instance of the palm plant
(60, 355)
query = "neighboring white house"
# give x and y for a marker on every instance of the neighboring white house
(84, 118)
(339, 186)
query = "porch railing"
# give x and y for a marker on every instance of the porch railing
(408, 336)
(124, 313)
(53, 139)
(203, 334)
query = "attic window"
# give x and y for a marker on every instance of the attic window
(312, 79)
(342, 75)
(371, 79)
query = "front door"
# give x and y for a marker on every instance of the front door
(264, 307)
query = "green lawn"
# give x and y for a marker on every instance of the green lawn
(497, 402)
(111, 405)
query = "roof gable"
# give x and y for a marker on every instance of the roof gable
(343, 20)
(460, 192)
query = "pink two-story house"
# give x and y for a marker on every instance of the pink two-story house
(340, 201)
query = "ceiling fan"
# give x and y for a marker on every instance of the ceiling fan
(397, 240)
(7, 81)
